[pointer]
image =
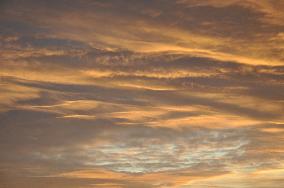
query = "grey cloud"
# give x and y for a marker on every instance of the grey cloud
(52, 140)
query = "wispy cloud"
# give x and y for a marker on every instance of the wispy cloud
(141, 93)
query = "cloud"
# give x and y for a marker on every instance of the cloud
(141, 94)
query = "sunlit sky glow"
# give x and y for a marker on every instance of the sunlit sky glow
(142, 93)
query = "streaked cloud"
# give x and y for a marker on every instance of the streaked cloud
(141, 93)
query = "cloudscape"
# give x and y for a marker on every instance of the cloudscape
(141, 93)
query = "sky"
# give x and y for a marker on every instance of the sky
(141, 93)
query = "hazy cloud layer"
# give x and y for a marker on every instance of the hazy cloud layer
(139, 94)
